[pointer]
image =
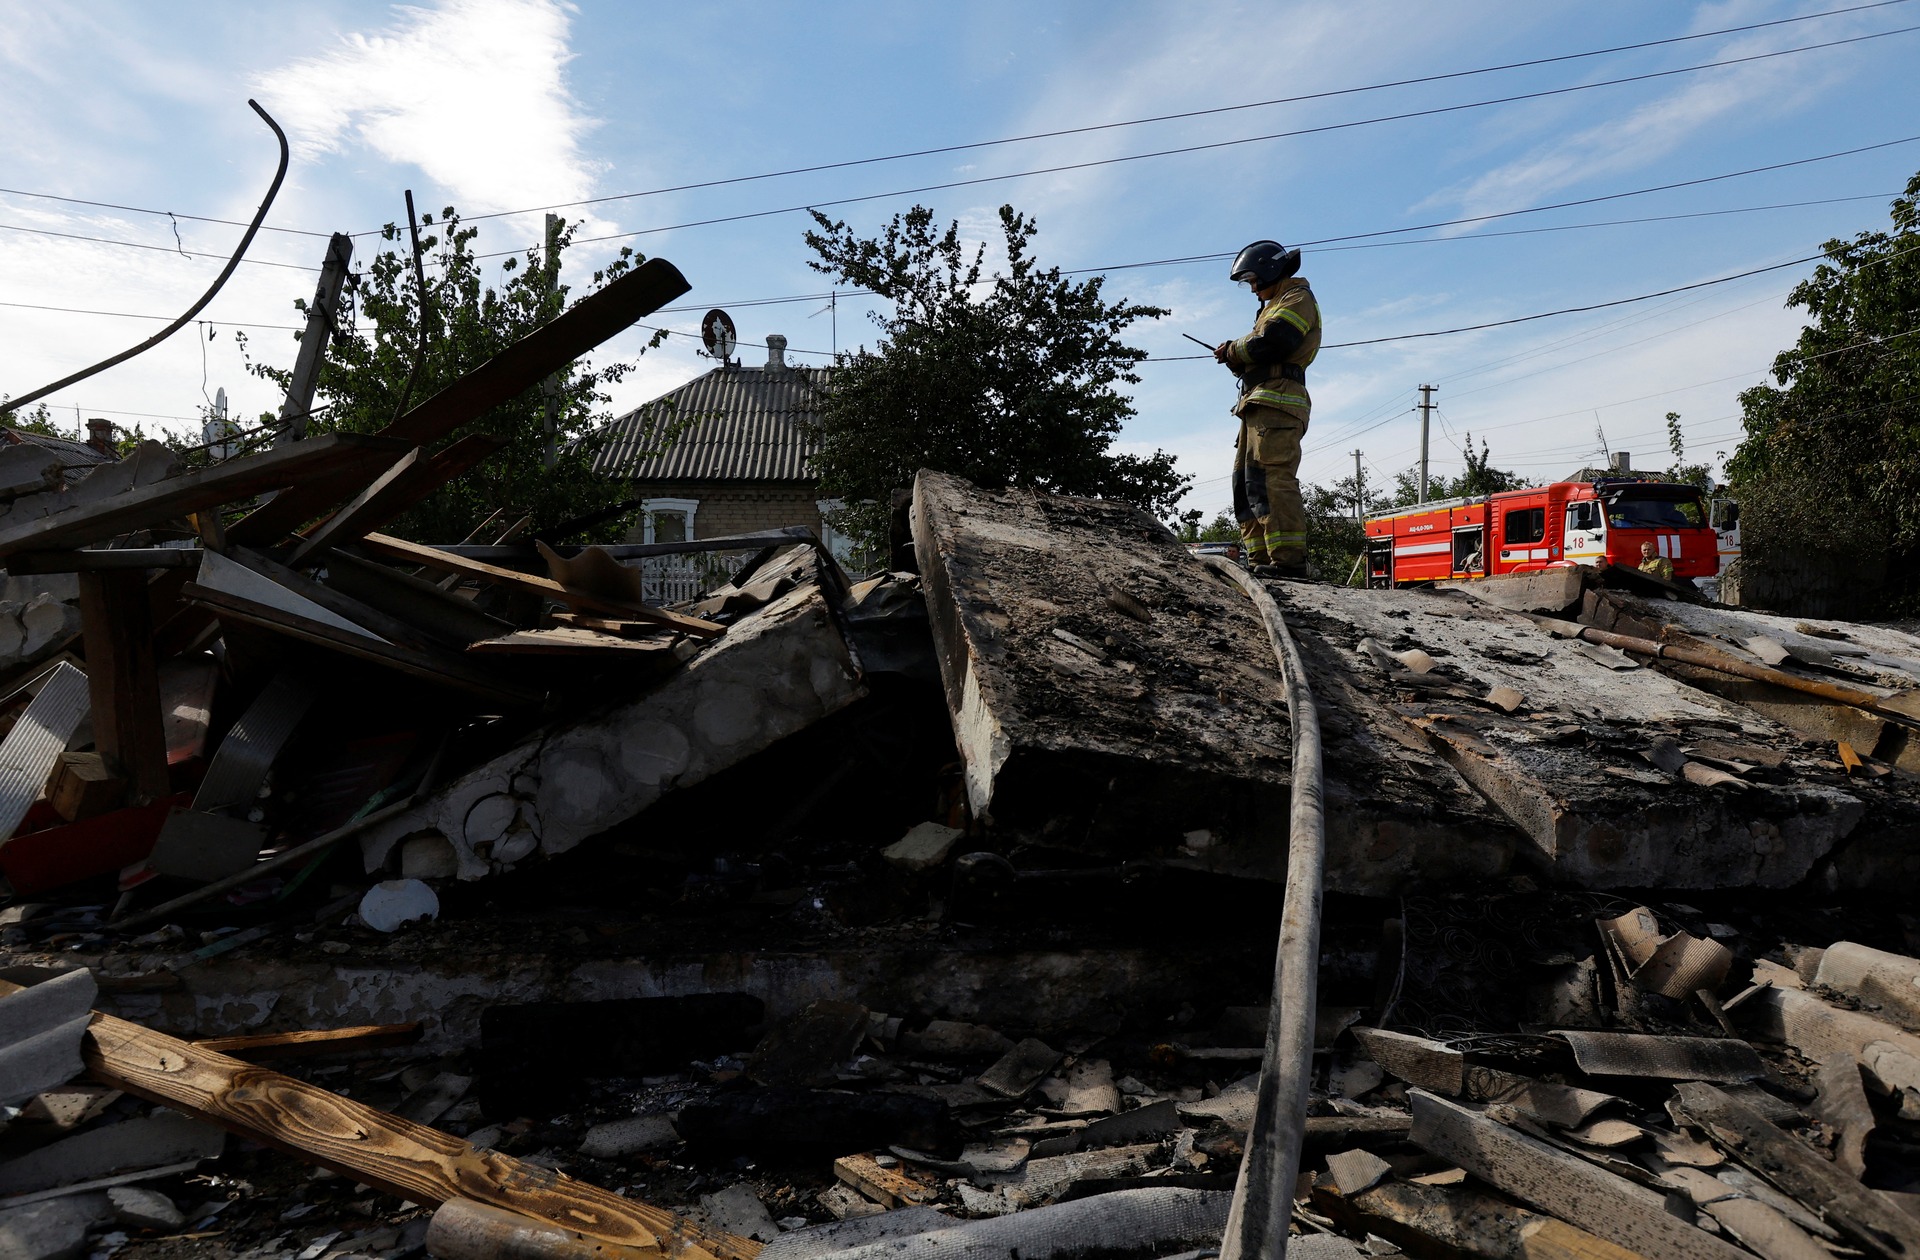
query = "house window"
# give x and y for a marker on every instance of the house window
(668, 520)
(839, 545)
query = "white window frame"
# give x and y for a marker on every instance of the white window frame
(837, 544)
(687, 507)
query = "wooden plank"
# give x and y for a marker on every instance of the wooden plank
(547, 349)
(1841, 1201)
(104, 558)
(524, 553)
(546, 588)
(447, 671)
(199, 489)
(303, 1042)
(625, 629)
(451, 619)
(123, 679)
(883, 1185)
(568, 641)
(394, 1156)
(1445, 1223)
(415, 477)
(1553, 1181)
(387, 626)
(293, 507)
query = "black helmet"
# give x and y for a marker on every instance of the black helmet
(1265, 263)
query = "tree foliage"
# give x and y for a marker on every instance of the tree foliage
(1479, 478)
(542, 472)
(1829, 472)
(1680, 470)
(1006, 379)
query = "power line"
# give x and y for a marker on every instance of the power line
(164, 249)
(1226, 144)
(76, 310)
(1042, 135)
(1174, 117)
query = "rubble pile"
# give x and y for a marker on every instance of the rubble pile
(929, 912)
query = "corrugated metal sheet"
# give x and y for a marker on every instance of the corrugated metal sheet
(249, 750)
(36, 742)
(740, 428)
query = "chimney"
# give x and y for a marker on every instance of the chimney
(100, 436)
(1622, 461)
(776, 353)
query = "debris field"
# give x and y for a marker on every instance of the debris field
(372, 898)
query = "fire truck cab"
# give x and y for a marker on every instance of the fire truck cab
(1597, 522)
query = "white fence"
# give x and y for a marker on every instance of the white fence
(676, 579)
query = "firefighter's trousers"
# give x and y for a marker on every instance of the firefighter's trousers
(1266, 486)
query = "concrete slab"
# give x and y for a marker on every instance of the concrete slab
(777, 671)
(1570, 767)
(1108, 691)
(162, 1138)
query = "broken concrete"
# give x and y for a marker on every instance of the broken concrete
(1571, 770)
(1174, 724)
(777, 671)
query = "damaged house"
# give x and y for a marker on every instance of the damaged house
(373, 897)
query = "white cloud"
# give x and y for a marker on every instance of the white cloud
(472, 92)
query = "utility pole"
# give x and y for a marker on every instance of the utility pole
(1426, 416)
(551, 386)
(321, 317)
(1359, 488)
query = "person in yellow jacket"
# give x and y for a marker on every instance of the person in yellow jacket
(1271, 362)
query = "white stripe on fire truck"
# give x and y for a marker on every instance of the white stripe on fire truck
(1422, 549)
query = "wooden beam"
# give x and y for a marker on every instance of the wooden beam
(546, 588)
(123, 679)
(522, 365)
(386, 625)
(415, 477)
(199, 489)
(294, 507)
(95, 559)
(304, 1042)
(1837, 1198)
(571, 641)
(392, 1155)
(1556, 1182)
(509, 553)
(447, 671)
(1447, 1223)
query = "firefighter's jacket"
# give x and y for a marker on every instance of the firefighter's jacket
(1271, 361)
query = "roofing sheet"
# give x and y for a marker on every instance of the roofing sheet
(740, 426)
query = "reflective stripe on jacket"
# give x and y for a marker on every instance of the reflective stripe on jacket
(1271, 361)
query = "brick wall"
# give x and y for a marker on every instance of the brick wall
(739, 507)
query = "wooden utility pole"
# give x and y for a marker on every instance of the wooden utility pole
(1426, 415)
(1359, 488)
(321, 315)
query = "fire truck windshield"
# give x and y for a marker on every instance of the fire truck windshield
(1629, 510)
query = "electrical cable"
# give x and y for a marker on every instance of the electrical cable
(164, 249)
(1227, 144)
(239, 252)
(1195, 113)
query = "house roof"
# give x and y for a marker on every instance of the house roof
(740, 427)
(73, 452)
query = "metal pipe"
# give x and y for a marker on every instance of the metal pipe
(239, 252)
(1263, 1195)
(1722, 662)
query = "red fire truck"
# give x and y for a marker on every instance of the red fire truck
(1569, 522)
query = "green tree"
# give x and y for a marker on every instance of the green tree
(38, 420)
(1828, 474)
(1008, 379)
(1335, 538)
(546, 475)
(1479, 478)
(1680, 470)
(1220, 529)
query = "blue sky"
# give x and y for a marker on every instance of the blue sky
(503, 105)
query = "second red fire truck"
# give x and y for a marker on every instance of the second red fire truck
(1598, 522)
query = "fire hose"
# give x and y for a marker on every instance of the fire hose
(1263, 1195)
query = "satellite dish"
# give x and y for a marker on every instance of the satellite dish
(718, 334)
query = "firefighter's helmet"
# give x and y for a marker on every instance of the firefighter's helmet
(1264, 263)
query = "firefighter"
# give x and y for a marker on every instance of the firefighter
(1271, 362)
(1651, 561)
